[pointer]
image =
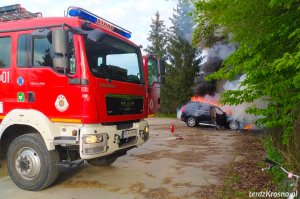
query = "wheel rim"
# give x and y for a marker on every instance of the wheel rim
(191, 122)
(28, 164)
(233, 125)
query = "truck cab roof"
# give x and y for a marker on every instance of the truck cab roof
(44, 22)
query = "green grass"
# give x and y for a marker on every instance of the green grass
(277, 175)
(160, 115)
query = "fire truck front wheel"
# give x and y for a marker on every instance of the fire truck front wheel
(30, 165)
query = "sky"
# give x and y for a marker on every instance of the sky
(133, 15)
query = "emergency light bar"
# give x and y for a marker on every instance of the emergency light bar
(16, 12)
(86, 15)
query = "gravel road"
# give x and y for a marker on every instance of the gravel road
(164, 167)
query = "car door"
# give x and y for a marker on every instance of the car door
(221, 116)
(203, 113)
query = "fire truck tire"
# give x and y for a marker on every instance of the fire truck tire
(103, 161)
(30, 165)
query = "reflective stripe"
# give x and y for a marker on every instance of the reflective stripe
(66, 120)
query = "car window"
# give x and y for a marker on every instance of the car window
(192, 106)
(205, 107)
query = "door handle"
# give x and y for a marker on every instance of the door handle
(31, 96)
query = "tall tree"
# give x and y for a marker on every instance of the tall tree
(183, 58)
(182, 22)
(157, 37)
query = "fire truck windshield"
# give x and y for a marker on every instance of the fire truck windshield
(114, 59)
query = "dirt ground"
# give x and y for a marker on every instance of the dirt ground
(164, 167)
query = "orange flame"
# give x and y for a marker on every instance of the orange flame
(207, 101)
(248, 126)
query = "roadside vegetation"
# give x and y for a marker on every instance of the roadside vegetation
(245, 174)
(267, 37)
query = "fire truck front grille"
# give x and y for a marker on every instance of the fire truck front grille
(124, 104)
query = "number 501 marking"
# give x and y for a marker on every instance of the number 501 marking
(4, 77)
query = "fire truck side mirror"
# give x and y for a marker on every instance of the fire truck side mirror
(161, 71)
(60, 42)
(161, 67)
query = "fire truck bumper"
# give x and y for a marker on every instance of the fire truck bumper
(97, 140)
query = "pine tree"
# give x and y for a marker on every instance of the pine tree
(157, 37)
(182, 20)
(184, 59)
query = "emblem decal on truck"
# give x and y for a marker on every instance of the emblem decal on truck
(61, 103)
(20, 81)
(21, 97)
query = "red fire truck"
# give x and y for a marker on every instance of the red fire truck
(70, 88)
(155, 69)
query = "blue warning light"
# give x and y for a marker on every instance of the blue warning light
(86, 15)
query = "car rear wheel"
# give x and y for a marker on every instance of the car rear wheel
(191, 122)
(234, 125)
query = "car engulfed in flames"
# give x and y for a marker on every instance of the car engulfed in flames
(206, 111)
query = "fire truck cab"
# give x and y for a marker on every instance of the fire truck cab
(70, 88)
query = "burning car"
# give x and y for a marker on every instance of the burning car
(203, 114)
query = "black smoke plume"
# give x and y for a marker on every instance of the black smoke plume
(213, 63)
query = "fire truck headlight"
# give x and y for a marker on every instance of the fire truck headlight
(92, 139)
(146, 129)
(145, 133)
